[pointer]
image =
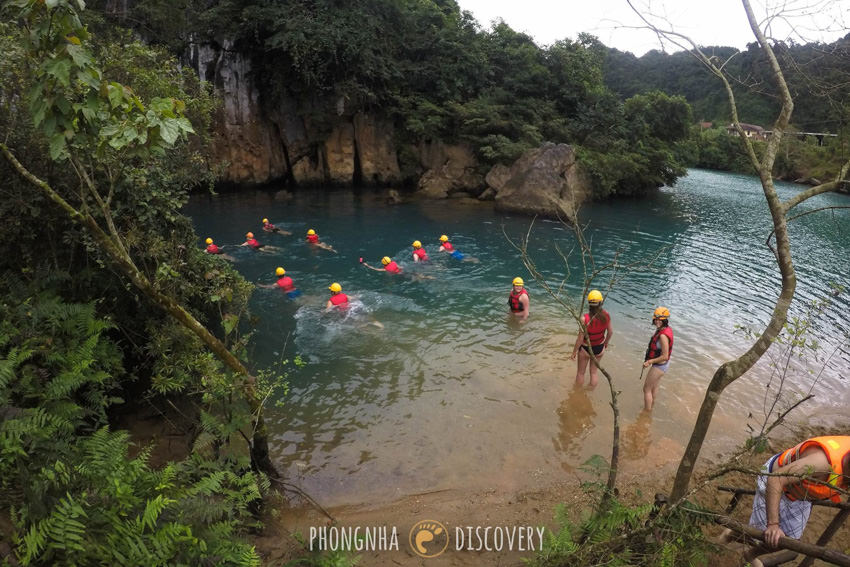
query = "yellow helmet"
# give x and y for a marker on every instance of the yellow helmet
(209, 241)
(311, 232)
(249, 235)
(335, 287)
(280, 271)
(417, 244)
(385, 260)
(595, 297)
(661, 313)
(265, 221)
(518, 281)
(444, 238)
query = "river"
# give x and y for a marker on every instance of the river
(455, 393)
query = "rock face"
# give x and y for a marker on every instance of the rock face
(544, 181)
(259, 142)
(448, 169)
(248, 145)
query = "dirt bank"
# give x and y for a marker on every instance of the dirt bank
(456, 510)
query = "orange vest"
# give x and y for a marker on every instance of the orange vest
(835, 447)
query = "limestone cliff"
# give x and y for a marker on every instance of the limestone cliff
(258, 141)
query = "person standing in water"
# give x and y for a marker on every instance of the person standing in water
(419, 254)
(597, 323)
(657, 357)
(518, 298)
(338, 299)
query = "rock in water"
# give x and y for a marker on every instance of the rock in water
(545, 181)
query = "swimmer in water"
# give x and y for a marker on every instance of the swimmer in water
(340, 301)
(313, 238)
(446, 246)
(389, 266)
(269, 227)
(252, 242)
(213, 249)
(283, 282)
(419, 254)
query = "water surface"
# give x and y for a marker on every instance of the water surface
(455, 393)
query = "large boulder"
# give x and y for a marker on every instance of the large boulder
(448, 169)
(545, 181)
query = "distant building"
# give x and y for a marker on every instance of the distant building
(750, 130)
(705, 125)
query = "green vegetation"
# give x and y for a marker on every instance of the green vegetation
(108, 305)
(438, 76)
(616, 533)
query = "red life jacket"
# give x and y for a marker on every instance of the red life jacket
(654, 348)
(252, 242)
(836, 448)
(421, 253)
(596, 328)
(447, 246)
(514, 302)
(392, 267)
(269, 226)
(339, 299)
(312, 238)
(213, 249)
(286, 283)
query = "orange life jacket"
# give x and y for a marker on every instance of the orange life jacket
(835, 447)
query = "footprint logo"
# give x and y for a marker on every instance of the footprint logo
(428, 538)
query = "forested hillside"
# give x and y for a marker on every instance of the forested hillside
(430, 69)
(816, 75)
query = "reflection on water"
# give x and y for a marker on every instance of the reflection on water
(576, 418)
(455, 392)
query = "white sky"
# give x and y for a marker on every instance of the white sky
(708, 22)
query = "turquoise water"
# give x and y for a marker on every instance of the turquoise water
(455, 393)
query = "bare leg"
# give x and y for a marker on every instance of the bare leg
(581, 365)
(594, 371)
(650, 387)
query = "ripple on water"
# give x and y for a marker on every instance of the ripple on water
(455, 392)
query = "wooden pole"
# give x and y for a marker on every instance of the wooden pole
(815, 551)
(827, 534)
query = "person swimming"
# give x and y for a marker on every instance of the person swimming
(337, 299)
(389, 266)
(446, 246)
(313, 238)
(419, 254)
(283, 282)
(254, 244)
(269, 227)
(212, 248)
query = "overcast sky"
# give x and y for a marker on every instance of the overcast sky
(709, 22)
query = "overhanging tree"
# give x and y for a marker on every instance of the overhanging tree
(730, 371)
(107, 134)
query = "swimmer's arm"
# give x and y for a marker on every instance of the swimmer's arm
(371, 268)
(266, 286)
(328, 306)
(609, 331)
(524, 300)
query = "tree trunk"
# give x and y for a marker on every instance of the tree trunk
(259, 445)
